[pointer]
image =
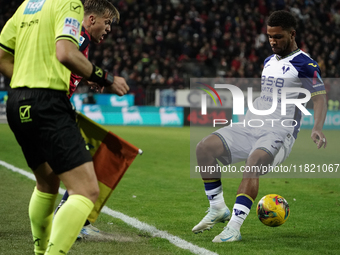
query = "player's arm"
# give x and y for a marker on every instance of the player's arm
(320, 111)
(6, 63)
(7, 47)
(310, 75)
(69, 55)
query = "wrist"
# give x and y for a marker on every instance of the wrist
(101, 77)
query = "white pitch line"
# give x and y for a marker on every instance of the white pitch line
(153, 231)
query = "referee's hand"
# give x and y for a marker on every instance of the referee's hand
(118, 86)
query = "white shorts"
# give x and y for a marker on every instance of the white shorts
(240, 142)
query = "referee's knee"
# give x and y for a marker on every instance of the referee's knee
(88, 190)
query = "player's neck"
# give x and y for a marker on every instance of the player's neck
(293, 49)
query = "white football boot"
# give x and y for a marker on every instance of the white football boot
(229, 234)
(89, 231)
(214, 216)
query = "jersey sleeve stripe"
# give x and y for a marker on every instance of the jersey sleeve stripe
(322, 92)
(7, 49)
(68, 37)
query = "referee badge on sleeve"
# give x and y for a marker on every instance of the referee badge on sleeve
(71, 27)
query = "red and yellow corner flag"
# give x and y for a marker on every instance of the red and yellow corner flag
(111, 155)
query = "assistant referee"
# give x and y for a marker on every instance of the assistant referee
(38, 51)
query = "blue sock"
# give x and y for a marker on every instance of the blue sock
(65, 196)
(63, 200)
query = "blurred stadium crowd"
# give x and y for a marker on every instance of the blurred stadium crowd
(162, 43)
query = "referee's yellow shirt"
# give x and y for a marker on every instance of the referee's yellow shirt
(31, 34)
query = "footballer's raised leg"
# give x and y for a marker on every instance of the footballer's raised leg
(207, 151)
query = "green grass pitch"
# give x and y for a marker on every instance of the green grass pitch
(157, 189)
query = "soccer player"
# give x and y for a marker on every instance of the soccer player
(98, 17)
(38, 51)
(288, 67)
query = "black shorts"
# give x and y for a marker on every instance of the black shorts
(44, 124)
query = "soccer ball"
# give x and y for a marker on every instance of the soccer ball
(272, 210)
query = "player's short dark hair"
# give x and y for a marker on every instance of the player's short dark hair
(283, 19)
(101, 7)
